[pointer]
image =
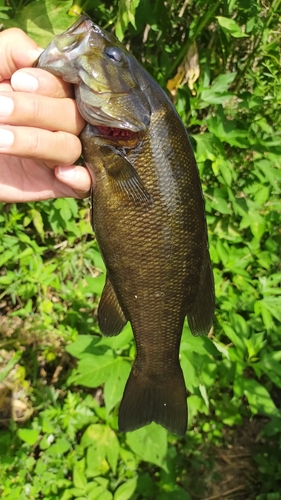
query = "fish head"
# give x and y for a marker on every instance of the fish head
(107, 90)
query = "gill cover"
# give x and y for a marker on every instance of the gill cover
(106, 90)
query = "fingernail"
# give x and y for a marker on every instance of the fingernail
(67, 172)
(6, 138)
(6, 106)
(24, 82)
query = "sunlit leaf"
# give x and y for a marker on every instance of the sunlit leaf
(103, 443)
(259, 398)
(126, 490)
(115, 383)
(42, 20)
(150, 443)
(29, 436)
(231, 27)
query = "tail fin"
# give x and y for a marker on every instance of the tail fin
(147, 400)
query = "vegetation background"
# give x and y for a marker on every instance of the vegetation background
(60, 381)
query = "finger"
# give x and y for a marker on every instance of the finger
(18, 108)
(54, 148)
(5, 86)
(40, 81)
(75, 177)
(17, 50)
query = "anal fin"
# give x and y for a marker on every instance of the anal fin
(200, 318)
(111, 318)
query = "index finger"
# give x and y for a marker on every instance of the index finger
(41, 82)
(17, 51)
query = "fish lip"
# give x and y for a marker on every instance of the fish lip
(97, 119)
(60, 59)
(55, 55)
(86, 23)
(96, 116)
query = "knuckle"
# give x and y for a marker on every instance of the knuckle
(52, 86)
(70, 146)
(35, 110)
(33, 144)
(14, 33)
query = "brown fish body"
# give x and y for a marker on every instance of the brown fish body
(148, 217)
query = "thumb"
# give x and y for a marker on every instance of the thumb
(76, 177)
(17, 51)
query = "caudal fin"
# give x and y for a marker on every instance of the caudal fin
(147, 400)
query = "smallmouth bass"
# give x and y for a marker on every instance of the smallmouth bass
(147, 214)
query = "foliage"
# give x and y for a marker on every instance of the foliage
(228, 95)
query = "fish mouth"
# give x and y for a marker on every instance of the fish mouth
(118, 137)
(108, 96)
(106, 111)
(115, 133)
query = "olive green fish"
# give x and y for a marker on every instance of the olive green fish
(148, 216)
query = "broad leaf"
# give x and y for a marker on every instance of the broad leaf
(115, 383)
(150, 443)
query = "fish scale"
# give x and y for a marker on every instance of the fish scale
(148, 217)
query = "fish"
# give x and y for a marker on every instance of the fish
(148, 215)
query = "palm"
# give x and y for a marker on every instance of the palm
(25, 179)
(45, 124)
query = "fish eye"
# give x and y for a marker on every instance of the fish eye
(114, 54)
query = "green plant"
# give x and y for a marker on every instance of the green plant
(221, 62)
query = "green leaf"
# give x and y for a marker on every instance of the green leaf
(60, 447)
(9, 366)
(79, 478)
(231, 27)
(37, 220)
(103, 443)
(222, 82)
(77, 492)
(195, 405)
(217, 93)
(100, 494)
(189, 372)
(42, 20)
(112, 451)
(115, 383)
(126, 15)
(29, 436)
(259, 398)
(208, 147)
(236, 339)
(218, 201)
(93, 371)
(126, 490)
(67, 495)
(150, 443)
(83, 345)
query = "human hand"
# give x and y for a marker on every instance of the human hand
(39, 125)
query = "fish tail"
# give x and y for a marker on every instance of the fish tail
(147, 399)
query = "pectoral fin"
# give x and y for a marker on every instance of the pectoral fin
(200, 318)
(111, 318)
(125, 179)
